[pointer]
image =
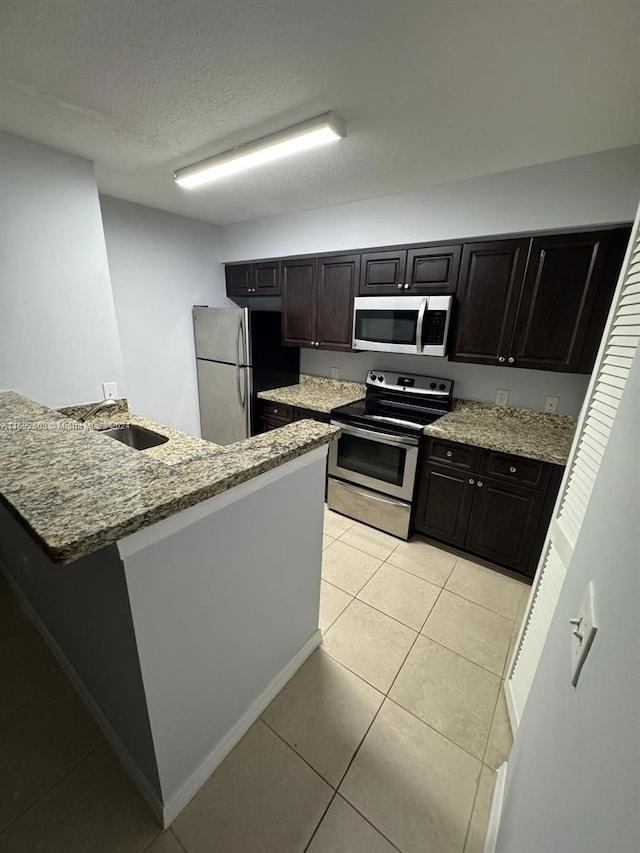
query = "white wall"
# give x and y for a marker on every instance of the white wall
(598, 188)
(58, 333)
(161, 265)
(527, 388)
(574, 772)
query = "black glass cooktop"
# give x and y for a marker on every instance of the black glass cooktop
(391, 417)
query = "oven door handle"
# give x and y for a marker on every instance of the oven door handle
(383, 438)
(421, 312)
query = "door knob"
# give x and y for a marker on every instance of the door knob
(406, 287)
(399, 287)
(511, 360)
(480, 484)
(512, 469)
(471, 482)
(501, 359)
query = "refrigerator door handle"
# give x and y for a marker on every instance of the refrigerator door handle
(238, 338)
(242, 397)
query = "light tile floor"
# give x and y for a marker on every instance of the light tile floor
(387, 738)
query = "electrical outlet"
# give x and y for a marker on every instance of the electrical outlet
(551, 405)
(502, 398)
(110, 390)
(335, 373)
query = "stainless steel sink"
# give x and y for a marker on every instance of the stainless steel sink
(137, 437)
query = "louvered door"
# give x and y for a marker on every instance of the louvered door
(619, 345)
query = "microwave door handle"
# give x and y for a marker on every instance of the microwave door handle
(421, 312)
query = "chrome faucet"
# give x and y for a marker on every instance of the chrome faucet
(103, 404)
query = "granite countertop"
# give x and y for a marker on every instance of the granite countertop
(521, 432)
(316, 393)
(77, 491)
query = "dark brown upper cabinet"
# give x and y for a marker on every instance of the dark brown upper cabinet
(336, 283)
(266, 278)
(429, 269)
(261, 279)
(299, 302)
(540, 303)
(433, 269)
(382, 273)
(238, 278)
(317, 304)
(489, 286)
(560, 287)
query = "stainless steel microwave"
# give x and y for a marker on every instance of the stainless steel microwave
(417, 325)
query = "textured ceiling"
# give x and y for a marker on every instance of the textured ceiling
(431, 90)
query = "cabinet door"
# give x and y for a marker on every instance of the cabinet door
(503, 522)
(238, 279)
(444, 503)
(299, 302)
(558, 297)
(433, 269)
(266, 278)
(491, 277)
(383, 273)
(337, 278)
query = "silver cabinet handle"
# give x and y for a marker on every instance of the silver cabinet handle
(449, 453)
(501, 359)
(471, 482)
(275, 411)
(480, 484)
(313, 343)
(406, 287)
(512, 469)
(511, 360)
(317, 343)
(399, 286)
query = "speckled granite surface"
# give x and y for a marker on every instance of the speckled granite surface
(316, 393)
(522, 432)
(77, 490)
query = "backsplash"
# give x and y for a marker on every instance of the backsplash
(527, 388)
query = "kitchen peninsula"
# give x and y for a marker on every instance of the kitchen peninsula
(136, 568)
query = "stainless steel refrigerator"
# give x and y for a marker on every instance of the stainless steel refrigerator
(238, 353)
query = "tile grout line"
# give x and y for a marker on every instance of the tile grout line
(102, 743)
(322, 817)
(297, 754)
(41, 691)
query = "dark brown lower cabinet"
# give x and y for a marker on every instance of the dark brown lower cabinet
(274, 415)
(444, 504)
(498, 518)
(503, 522)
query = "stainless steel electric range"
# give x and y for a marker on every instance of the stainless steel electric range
(373, 465)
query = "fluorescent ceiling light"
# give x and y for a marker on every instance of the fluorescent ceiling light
(309, 134)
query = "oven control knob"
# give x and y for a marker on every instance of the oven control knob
(432, 385)
(442, 386)
(373, 377)
(380, 378)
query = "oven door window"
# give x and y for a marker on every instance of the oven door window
(386, 326)
(371, 458)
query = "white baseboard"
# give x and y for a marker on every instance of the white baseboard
(190, 787)
(139, 779)
(511, 707)
(491, 838)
